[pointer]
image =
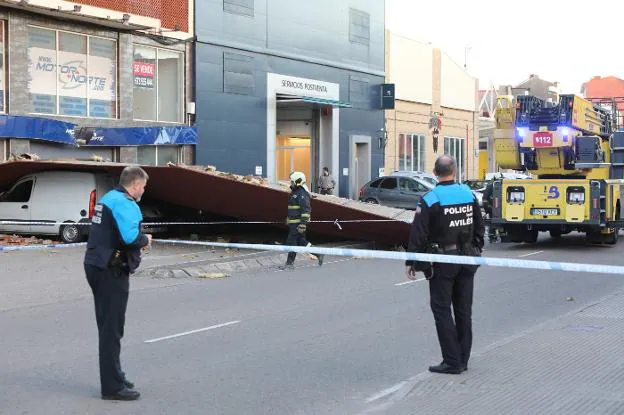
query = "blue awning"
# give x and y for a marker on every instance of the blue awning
(324, 101)
(313, 100)
(137, 136)
(37, 128)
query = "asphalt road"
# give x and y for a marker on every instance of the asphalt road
(311, 341)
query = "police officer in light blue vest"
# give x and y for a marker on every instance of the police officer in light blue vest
(113, 253)
(448, 220)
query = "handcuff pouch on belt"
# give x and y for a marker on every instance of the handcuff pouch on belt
(118, 260)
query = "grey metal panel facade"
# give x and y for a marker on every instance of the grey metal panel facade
(283, 37)
(323, 29)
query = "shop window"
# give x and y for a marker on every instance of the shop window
(455, 146)
(157, 155)
(158, 84)
(412, 152)
(72, 74)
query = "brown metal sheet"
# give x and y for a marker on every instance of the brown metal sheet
(196, 188)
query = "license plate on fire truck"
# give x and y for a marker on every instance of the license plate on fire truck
(544, 212)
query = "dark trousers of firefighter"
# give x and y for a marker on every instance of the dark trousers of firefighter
(295, 238)
(110, 289)
(453, 285)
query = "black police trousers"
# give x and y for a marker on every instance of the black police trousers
(295, 238)
(453, 285)
(110, 289)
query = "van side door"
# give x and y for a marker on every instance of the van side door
(15, 206)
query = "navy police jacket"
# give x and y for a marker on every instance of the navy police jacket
(115, 238)
(448, 216)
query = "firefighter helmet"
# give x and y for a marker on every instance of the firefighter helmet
(297, 178)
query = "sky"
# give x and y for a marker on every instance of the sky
(508, 40)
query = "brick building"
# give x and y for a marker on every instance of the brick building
(110, 75)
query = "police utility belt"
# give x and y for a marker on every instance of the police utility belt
(466, 249)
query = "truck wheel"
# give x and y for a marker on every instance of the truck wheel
(70, 234)
(612, 238)
(531, 236)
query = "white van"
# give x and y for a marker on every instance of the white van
(55, 197)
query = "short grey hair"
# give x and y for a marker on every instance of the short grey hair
(131, 174)
(445, 166)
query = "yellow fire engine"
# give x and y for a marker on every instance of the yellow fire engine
(577, 159)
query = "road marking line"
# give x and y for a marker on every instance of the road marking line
(386, 392)
(229, 323)
(529, 254)
(409, 282)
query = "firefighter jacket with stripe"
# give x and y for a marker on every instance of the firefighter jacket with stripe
(448, 216)
(299, 207)
(115, 238)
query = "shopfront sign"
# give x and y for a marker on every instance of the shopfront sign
(292, 85)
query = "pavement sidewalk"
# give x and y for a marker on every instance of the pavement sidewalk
(571, 365)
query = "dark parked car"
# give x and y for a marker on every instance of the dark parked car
(394, 191)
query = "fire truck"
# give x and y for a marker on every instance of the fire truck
(576, 155)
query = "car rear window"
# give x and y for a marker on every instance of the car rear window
(375, 183)
(389, 183)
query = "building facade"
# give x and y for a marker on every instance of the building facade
(435, 110)
(281, 87)
(107, 78)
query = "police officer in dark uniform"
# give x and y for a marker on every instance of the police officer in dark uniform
(448, 221)
(113, 253)
(299, 210)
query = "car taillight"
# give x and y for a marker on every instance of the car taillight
(92, 203)
(361, 191)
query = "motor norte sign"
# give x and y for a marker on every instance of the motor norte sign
(70, 73)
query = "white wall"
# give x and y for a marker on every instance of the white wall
(411, 69)
(458, 89)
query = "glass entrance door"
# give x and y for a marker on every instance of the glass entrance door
(293, 154)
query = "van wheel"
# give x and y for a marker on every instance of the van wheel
(70, 234)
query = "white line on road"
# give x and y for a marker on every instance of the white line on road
(229, 323)
(529, 254)
(386, 392)
(409, 282)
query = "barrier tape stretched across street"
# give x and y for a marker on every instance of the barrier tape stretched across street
(375, 254)
(402, 256)
(335, 222)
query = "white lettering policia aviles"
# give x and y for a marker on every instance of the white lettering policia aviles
(464, 212)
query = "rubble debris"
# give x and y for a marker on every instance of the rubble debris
(213, 275)
(24, 156)
(17, 240)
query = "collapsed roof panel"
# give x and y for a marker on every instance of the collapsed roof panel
(246, 198)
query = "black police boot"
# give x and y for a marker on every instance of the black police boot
(320, 258)
(125, 394)
(286, 266)
(128, 384)
(446, 369)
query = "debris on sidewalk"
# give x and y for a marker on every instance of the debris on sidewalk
(16, 240)
(213, 275)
